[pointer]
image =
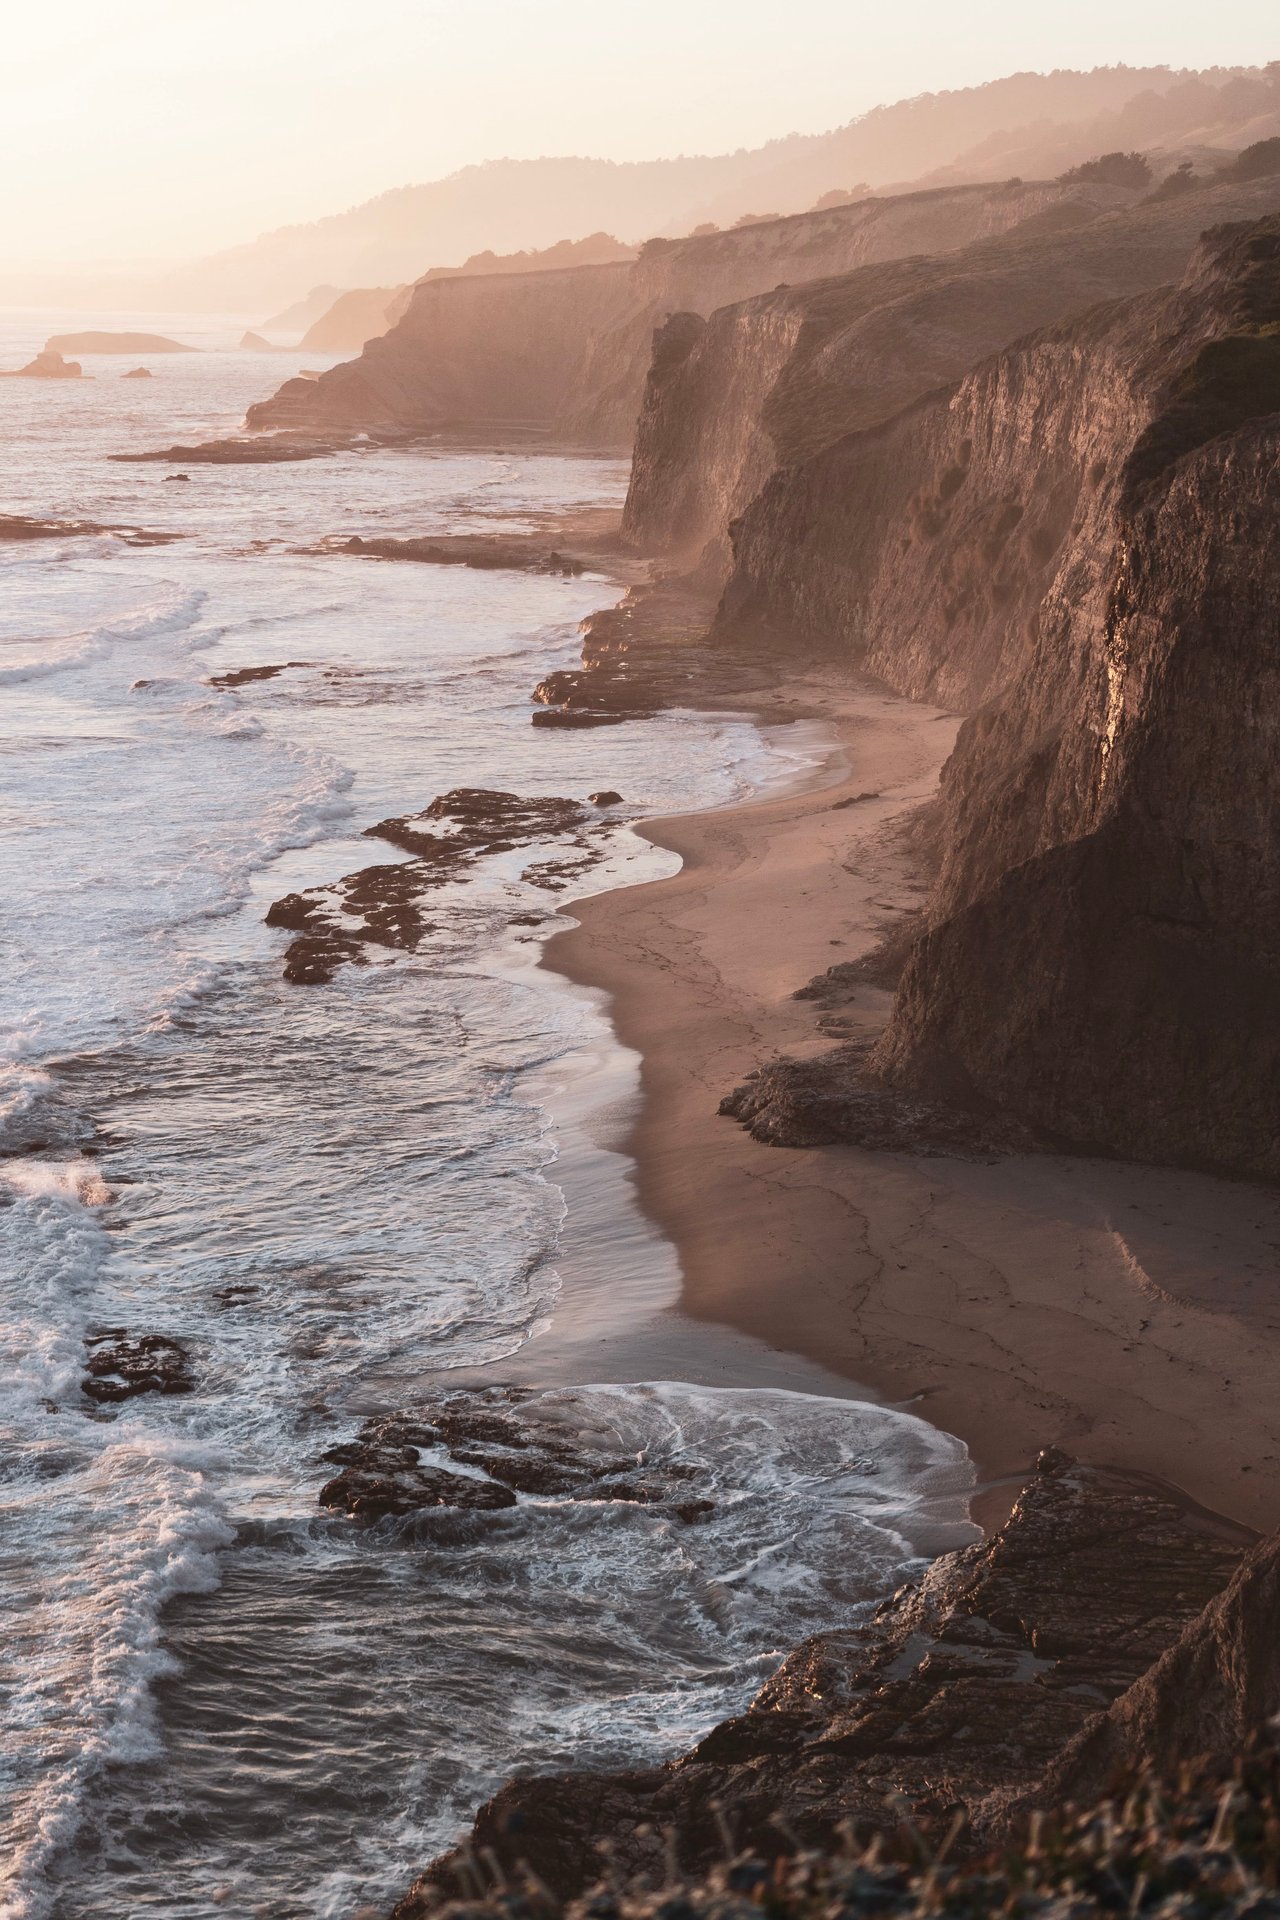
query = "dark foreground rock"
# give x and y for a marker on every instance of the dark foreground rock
(382, 906)
(506, 1443)
(119, 1368)
(1209, 1692)
(1208, 1843)
(961, 1690)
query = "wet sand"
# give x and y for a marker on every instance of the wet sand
(1129, 1314)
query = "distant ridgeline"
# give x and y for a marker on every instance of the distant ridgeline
(1029, 124)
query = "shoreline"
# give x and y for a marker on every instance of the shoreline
(1121, 1312)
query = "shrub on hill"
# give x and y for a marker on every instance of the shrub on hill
(1113, 170)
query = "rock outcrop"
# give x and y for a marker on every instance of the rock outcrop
(47, 366)
(1078, 544)
(120, 1367)
(568, 351)
(960, 1689)
(380, 907)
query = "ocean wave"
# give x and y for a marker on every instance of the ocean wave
(177, 611)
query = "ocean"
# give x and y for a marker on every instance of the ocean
(218, 1696)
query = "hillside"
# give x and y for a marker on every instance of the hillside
(508, 205)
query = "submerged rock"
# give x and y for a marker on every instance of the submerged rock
(508, 1444)
(382, 906)
(119, 1368)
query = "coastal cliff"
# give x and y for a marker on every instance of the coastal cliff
(1078, 546)
(768, 382)
(568, 350)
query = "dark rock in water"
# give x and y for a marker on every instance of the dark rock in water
(118, 1368)
(482, 821)
(389, 1480)
(239, 453)
(565, 717)
(960, 1688)
(605, 798)
(18, 526)
(381, 906)
(137, 373)
(170, 478)
(691, 1511)
(520, 1447)
(648, 653)
(242, 676)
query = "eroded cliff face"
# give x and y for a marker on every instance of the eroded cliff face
(768, 382)
(571, 353)
(1080, 546)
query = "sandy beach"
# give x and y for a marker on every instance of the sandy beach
(1130, 1314)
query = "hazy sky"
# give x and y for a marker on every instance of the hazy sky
(150, 129)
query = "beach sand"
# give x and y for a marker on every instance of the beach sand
(1129, 1314)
